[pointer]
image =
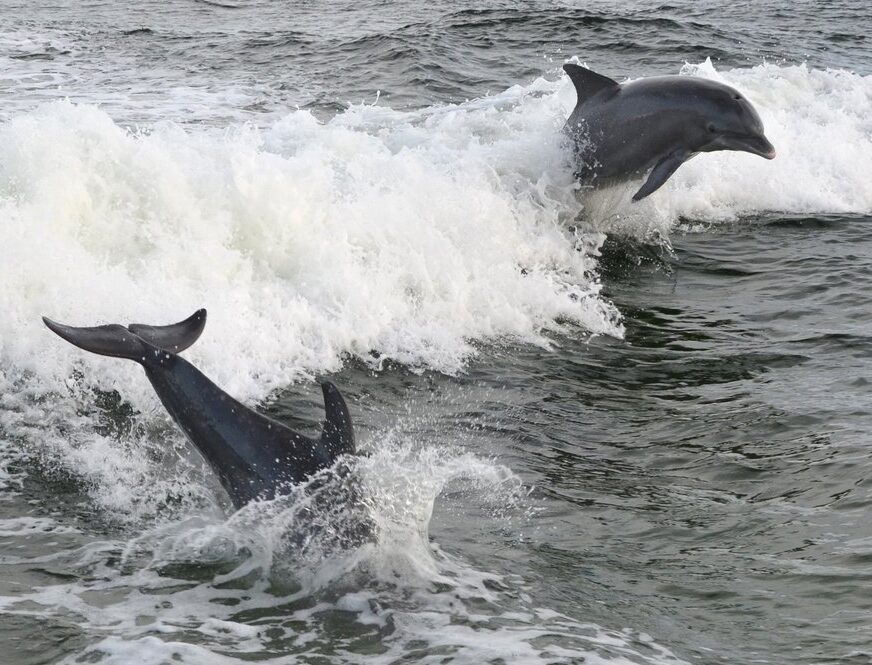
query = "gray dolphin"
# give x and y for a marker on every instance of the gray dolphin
(624, 131)
(254, 457)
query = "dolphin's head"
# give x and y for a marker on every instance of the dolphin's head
(735, 125)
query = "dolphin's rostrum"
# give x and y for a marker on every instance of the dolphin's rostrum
(651, 126)
(254, 456)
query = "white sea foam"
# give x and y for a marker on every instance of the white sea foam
(25, 526)
(410, 236)
(213, 590)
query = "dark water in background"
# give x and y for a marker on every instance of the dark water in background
(689, 484)
(270, 56)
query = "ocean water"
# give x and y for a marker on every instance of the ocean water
(593, 431)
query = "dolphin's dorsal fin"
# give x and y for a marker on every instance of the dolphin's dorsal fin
(588, 83)
(338, 433)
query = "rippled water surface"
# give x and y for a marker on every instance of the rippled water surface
(594, 431)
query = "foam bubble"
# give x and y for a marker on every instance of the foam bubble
(27, 526)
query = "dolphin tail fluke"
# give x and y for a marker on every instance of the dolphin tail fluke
(112, 340)
(175, 337)
(134, 341)
(338, 433)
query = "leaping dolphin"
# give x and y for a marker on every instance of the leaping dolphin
(651, 126)
(254, 457)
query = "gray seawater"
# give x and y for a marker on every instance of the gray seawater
(593, 433)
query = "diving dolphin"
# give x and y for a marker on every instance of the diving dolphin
(653, 125)
(254, 457)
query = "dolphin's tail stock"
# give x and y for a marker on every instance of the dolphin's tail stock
(134, 341)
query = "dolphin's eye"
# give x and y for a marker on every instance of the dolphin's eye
(711, 128)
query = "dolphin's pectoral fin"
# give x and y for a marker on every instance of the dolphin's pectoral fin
(338, 433)
(175, 337)
(588, 83)
(662, 171)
